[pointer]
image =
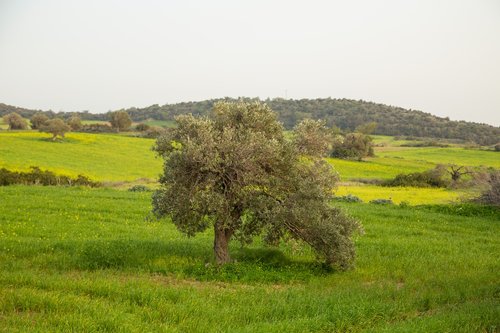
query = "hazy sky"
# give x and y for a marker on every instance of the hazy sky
(441, 57)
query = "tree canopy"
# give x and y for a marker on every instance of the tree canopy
(38, 119)
(120, 120)
(56, 127)
(15, 121)
(237, 173)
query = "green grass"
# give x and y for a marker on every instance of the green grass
(161, 123)
(411, 195)
(103, 157)
(78, 259)
(453, 155)
(377, 167)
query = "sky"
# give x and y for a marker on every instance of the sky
(437, 56)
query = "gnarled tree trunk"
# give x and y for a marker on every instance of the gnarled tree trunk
(221, 244)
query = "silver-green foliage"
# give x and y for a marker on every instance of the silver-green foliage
(237, 173)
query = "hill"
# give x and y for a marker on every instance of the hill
(344, 113)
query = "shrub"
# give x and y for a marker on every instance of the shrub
(353, 146)
(429, 178)
(96, 128)
(139, 188)
(348, 198)
(142, 127)
(491, 196)
(153, 132)
(382, 201)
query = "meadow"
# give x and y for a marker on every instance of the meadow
(102, 157)
(85, 259)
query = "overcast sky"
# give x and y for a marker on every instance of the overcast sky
(438, 56)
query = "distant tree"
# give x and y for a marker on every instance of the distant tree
(120, 120)
(355, 146)
(312, 137)
(57, 127)
(15, 121)
(237, 173)
(38, 119)
(75, 123)
(456, 172)
(141, 127)
(497, 147)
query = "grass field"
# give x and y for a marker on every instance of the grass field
(113, 157)
(104, 157)
(453, 155)
(377, 167)
(83, 259)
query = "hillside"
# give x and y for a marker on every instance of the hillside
(343, 113)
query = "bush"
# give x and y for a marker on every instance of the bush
(139, 188)
(96, 128)
(348, 198)
(153, 132)
(429, 178)
(36, 176)
(382, 202)
(354, 146)
(491, 196)
(142, 127)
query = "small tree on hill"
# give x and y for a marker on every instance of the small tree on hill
(57, 127)
(237, 173)
(355, 146)
(75, 123)
(38, 120)
(120, 120)
(15, 121)
(312, 137)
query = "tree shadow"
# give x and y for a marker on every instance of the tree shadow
(190, 260)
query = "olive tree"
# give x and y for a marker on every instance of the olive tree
(57, 127)
(15, 121)
(75, 122)
(312, 137)
(120, 120)
(236, 172)
(354, 146)
(38, 119)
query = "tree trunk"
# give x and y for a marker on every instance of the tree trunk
(221, 245)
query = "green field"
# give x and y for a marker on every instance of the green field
(453, 155)
(104, 157)
(111, 157)
(84, 259)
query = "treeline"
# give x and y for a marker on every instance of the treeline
(344, 113)
(37, 176)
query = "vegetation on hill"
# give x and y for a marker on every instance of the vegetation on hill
(344, 113)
